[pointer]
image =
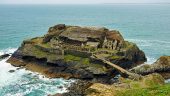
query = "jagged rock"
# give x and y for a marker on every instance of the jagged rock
(162, 66)
(65, 51)
(4, 56)
(77, 89)
(11, 71)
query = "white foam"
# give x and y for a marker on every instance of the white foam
(150, 60)
(7, 51)
(167, 81)
(27, 80)
(5, 76)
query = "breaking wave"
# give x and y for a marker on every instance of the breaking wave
(22, 82)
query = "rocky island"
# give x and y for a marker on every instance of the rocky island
(93, 56)
(66, 51)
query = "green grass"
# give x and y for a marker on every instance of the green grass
(129, 45)
(37, 40)
(83, 62)
(86, 61)
(33, 51)
(46, 45)
(159, 90)
(135, 85)
(115, 57)
(69, 57)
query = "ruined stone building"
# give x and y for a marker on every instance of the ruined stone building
(109, 44)
(84, 39)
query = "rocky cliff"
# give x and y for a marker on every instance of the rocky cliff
(65, 51)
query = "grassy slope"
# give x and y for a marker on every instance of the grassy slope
(159, 90)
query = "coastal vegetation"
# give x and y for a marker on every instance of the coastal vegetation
(156, 90)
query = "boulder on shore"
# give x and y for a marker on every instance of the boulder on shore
(4, 56)
(161, 66)
(65, 51)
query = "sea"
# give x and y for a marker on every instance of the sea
(147, 25)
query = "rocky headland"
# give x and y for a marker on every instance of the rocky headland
(69, 51)
(66, 51)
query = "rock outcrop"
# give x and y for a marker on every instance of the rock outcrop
(82, 88)
(65, 51)
(4, 56)
(161, 66)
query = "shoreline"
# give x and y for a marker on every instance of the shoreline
(30, 80)
(68, 89)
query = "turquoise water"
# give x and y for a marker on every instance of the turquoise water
(146, 25)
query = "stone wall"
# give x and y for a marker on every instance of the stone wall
(51, 50)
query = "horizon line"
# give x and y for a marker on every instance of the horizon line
(77, 3)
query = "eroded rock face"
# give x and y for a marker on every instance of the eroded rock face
(65, 51)
(162, 66)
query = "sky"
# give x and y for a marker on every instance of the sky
(79, 1)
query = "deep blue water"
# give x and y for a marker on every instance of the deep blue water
(147, 25)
